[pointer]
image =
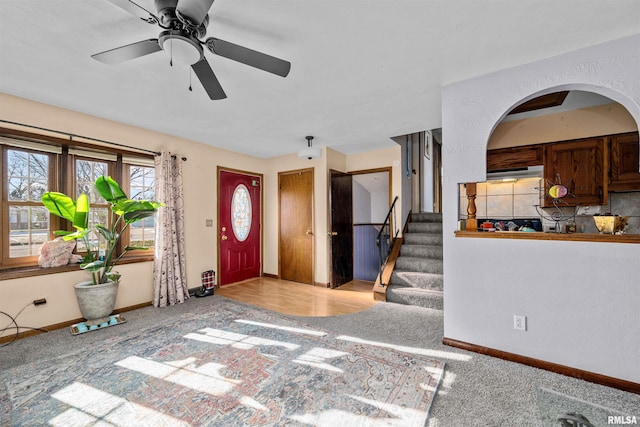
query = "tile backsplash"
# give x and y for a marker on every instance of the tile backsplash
(508, 200)
(504, 200)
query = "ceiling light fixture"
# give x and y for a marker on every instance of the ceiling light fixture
(182, 48)
(310, 152)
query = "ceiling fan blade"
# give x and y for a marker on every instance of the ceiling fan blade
(194, 10)
(249, 57)
(136, 10)
(130, 51)
(208, 79)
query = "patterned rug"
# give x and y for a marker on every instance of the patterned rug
(233, 365)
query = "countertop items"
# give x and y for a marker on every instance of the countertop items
(575, 237)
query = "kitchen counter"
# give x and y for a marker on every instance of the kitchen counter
(576, 237)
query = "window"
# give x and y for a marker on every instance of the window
(27, 178)
(142, 186)
(31, 168)
(86, 173)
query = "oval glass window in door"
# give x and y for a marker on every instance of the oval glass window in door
(241, 212)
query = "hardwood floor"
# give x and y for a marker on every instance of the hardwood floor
(299, 299)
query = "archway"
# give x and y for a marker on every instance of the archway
(586, 142)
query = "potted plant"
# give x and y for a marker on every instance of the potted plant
(97, 296)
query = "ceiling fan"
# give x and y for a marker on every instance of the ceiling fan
(184, 25)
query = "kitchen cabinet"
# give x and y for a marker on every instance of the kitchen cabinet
(625, 160)
(515, 157)
(582, 167)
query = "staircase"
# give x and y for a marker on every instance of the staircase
(417, 278)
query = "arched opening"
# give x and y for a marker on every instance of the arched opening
(582, 142)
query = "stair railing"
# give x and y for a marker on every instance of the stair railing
(386, 239)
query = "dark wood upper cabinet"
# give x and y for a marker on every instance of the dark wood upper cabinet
(581, 167)
(515, 157)
(625, 161)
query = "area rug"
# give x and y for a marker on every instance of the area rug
(229, 365)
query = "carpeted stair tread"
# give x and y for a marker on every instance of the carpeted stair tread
(415, 296)
(430, 239)
(429, 281)
(426, 217)
(421, 251)
(417, 278)
(422, 265)
(424, 227)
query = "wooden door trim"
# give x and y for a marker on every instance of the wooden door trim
(217, 225)
(387, 169)
(313, 220)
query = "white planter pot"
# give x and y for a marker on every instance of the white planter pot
(96, 302)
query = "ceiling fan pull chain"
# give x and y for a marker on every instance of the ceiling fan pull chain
(190, 73)
(171, 52)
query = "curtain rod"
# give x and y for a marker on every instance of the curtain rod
(71, 135)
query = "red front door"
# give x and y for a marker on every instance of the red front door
(239, 226)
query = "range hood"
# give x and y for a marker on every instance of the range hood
(516, 173)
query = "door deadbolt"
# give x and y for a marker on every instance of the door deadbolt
(332, 233)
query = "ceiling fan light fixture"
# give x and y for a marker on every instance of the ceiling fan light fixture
(182, 49)
(310, 152)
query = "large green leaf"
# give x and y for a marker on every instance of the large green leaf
(109, 189)
(135, 216)
(93, 266)
(81, 217)
(105, 232)
(135, 210)
(78, 234)
(59, 204)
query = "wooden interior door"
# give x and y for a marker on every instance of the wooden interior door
(239, 228)
(296, 240)
(341, 230)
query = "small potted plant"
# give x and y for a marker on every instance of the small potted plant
(97, 296)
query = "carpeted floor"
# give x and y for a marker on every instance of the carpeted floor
(221, 364)
(477, 390)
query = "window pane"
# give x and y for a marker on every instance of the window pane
(27, 174)
(37, 188)
(143, 233)
(87, 172)
(18, 162)
(18, 189)
(97, 216)
(28, 230)
(142, 183)
(241, 212)
(38, 165)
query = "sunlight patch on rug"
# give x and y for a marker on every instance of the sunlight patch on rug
(423, 351)
(214, 367)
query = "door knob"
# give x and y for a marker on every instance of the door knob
(224, 237)
(309, 232)
(332, 233)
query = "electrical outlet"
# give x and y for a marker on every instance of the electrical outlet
(40, 301)
(519, 322)
(208, 223)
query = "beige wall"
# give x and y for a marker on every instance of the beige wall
(200, 241)
(582, 123)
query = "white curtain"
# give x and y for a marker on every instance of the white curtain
(169, 272)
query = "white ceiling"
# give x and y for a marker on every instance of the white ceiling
(362, 71)
(374, 183)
